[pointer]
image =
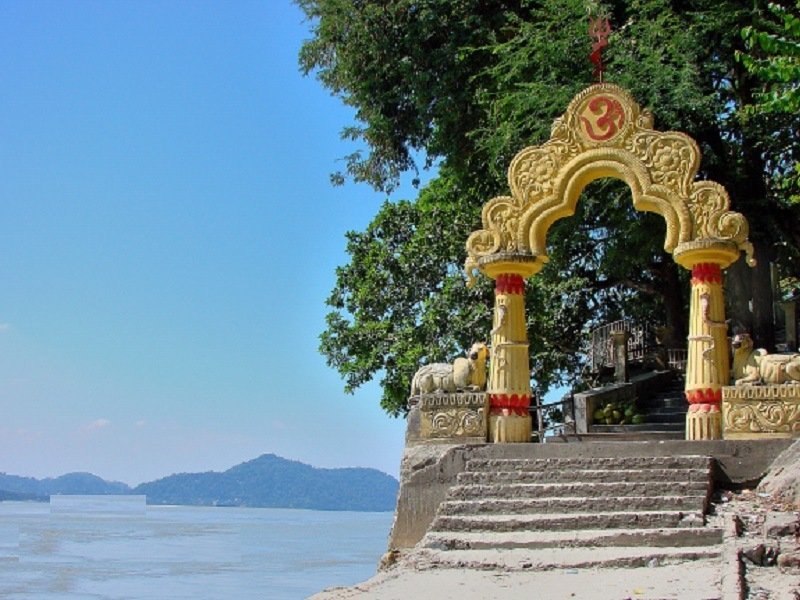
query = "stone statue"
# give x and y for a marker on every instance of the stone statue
(465, 374)
(755, 366)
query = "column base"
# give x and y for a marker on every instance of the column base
(703, 422)
(509, 429)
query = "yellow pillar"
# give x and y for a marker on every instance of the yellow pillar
(707, 367)
(509, 379)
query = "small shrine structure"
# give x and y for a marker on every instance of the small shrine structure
(604, 133)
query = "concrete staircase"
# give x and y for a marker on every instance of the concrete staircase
(665, 413)
(548, 513)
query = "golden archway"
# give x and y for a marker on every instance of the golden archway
(604, 133)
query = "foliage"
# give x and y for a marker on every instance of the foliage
(772, 57)
(404, 65)
(402, 297)
(468, 83)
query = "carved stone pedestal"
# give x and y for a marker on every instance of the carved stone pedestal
(703, 424)
(761, 411)
(459, 416)
(510, 428)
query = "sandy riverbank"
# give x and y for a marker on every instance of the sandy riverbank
(730, 577)
(681, 582)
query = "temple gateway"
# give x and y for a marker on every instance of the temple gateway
(635, 462)
(605, 133)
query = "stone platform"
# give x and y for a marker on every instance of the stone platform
(428, 471)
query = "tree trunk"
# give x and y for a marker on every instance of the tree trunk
(675, 309)
(763, 311)
(749, 196)
(749, 296)
(738, 297)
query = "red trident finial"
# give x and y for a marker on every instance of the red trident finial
(599, 29)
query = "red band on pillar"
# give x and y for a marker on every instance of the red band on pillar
(509, 284)
(510, 404)
(706, 273)
(704, 396)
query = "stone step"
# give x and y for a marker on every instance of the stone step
(650, 435)
(649, 426)
(593, 463)
(673, 537)
(677, 392)
(579, 488)
(666, 415)
(518, 506)
(557, 475)
(558, 521)
(567, 558)
(674, 402)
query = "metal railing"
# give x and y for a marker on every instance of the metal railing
(601, 347)
(543, 417)
(641, 343)
(676, 358)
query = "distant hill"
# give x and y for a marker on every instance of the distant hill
(267, 481)
(275, 482)
(71, 483)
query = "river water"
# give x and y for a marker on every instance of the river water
(94, 547)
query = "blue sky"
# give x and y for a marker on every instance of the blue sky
(168, 235)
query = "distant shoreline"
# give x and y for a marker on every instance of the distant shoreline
(7, 497)
(268, 481)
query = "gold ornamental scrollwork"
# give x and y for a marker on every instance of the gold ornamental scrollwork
(604, 133)
(670, 158)
(762, 417)
(453, 416)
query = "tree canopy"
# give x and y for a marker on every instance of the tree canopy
(772, 57)
(467, 84)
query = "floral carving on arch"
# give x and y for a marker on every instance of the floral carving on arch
(604, 133)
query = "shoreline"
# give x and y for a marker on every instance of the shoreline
(729, 577)
(406, 580)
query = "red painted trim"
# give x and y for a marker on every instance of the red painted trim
(509, 284)
(704, 396)
(513, 404)
(706, 273)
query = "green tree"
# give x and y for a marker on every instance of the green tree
(467, 84)
(402, 298)
(772, 58)
(771, 75)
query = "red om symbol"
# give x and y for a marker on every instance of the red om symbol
(608, 118)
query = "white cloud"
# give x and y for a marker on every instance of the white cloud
(4, 327)
(97, 424)
(140, 423)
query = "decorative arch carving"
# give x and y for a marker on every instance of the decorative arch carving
(604, 133)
